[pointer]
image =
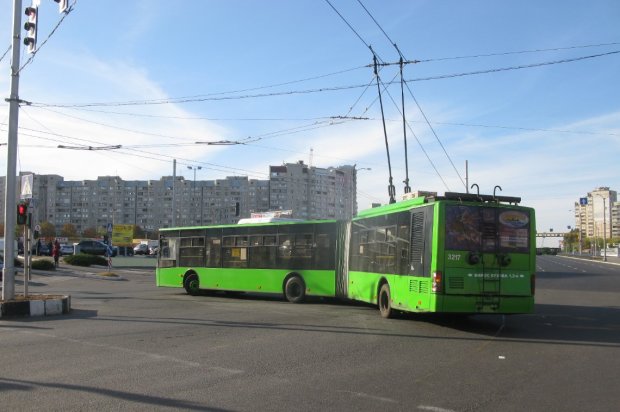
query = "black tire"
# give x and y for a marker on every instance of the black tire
(295, 289)
(192, 284)
(385, 302)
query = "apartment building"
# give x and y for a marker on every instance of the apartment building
(310, 192)
(594, 213)
(313, 193)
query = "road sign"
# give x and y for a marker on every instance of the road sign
(109, 228)
(27, 183)
(583, 201)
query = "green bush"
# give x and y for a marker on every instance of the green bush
(42, 264)
(82, 259)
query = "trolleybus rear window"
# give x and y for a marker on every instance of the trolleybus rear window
(487, 229)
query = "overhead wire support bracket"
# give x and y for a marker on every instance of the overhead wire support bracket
(221, 143)
(118, 146)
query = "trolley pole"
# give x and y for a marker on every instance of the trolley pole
(10, 220)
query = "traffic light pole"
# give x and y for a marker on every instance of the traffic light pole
(8, 278)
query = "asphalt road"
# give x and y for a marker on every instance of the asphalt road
(131, 346)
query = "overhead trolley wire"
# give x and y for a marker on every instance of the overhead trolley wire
(317, 90)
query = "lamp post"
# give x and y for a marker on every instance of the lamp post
(604, 229)
(194, 168)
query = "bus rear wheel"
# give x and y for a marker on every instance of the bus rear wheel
(295, 289)
(385, 302)
(192, 284)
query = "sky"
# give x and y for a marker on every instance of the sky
(525, 92)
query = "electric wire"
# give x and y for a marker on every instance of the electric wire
(5, 53)
(349, 25)
(317, 90)
(407, 188)
(518, 52)
(420, 143)
(138, 152)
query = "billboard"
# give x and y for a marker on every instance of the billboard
(122, 235)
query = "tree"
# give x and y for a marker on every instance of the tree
(571, 239)
(69, 230)
(48, 230)
(90, 232)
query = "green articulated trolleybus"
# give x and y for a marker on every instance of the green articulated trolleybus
(457, 253)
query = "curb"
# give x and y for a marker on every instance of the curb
(54, 305)
(77, 273)
(591, 260)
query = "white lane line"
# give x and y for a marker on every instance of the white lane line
(434, 408)
(367, 396)
(148, 355)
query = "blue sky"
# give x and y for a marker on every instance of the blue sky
(259, 70)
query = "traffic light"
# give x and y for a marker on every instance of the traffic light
(31, 27)
(62, 5)
(22, 213)
(237, 207)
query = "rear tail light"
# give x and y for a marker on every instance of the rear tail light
(533, 283)
(437, 282)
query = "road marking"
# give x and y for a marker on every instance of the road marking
(367, 396)
(434, 408)
(154, 356)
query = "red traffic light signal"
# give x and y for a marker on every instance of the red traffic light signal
(22, 213)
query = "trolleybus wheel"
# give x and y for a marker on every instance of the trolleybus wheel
(385, 304)
(295, 289)
(192, 284)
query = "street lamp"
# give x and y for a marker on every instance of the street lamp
(604, 229)
(195, 168)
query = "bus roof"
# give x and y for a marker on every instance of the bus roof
(280, 222)
(391, 208)
(453, 196)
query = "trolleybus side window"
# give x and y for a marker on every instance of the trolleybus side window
(192, 251)
(235, 251)
(168, 255)
(262, 251)
(214, 251)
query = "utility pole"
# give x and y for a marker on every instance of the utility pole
(8, 278)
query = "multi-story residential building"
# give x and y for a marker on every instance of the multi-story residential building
(615, 220)
(313, 193)
(594, 217)
(310, 192)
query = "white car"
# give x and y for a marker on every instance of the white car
(141, 249)
(66, 250)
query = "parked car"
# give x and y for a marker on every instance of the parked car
(66, 250)
(44, 250)
(93, 247)
(141, 249)
(124, 250)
